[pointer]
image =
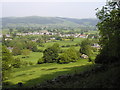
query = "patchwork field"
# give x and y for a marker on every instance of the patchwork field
(34, 56)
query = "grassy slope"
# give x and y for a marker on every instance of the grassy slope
(35, 74)
(104, 77)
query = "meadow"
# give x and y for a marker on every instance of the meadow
(32, 75)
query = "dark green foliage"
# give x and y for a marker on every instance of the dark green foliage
(25, 52)
(10, 30)
(67, 46)
(40, 40)
(45, 38)
(31, 46)
(40, 61)
(41, 45)
(17, 63)
(7, 62)
(21, 43)
(16, 51)
(109, 27)
(96, 36)
(30, 63)
(70, 55)
(50, 54)
(3, 40)
(6, 58)
(64, 58)
(58, 38)
(85, 47)
(89, 59)
(40, 50)
(71, 38)
(78, 44)
(34, 48)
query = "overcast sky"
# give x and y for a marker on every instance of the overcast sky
(53, 8)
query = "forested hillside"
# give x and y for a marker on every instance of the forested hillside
(34, 21)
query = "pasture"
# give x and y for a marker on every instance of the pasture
(32, 75)
(33, 57)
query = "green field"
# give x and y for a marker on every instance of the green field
(65, 42)
(34, 56)
(32, 75)
(38, 73)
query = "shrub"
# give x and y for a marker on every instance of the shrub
(61, 51)
(25, 63)
(41, 45)
(67, 45)
(30, 63)
(50, 54)
(89, 60)
(16, 51)
(62, 46)
(39, 50)
(40, 61)
(70, 55)
(78, 44)
(17, 63)
(6, 83)
(85, 47)
(64, 58)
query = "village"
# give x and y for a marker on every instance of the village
(45, 32)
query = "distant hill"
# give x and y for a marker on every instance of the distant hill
(88, 21)
(31, 20)
(37, 20)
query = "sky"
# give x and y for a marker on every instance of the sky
(50, 8)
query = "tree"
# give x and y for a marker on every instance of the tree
(7, 62)
(58, 38)
(25, 52)
(50, 54)
(31, 46)
(45, 38)
(85, 47)
(71, 38)
(17, 63)
(40, 40)
(109, 27)
(70, 55)
(3, 40)
(10, 30)
(40, 61)
(63, 58)
(16, 51)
